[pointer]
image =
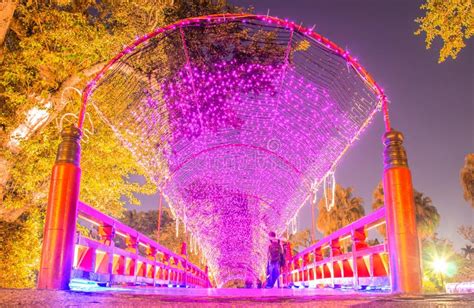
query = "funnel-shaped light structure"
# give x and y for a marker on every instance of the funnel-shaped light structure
(237, 118)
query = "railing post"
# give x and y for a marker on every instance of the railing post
(107, 235)
(402, 235)
(132, 246)
(58, 238)
(335, 250)
(184, 255)
(306, 270)
(208, 281)
(151, 255)
(318, 256)
(358, 237)
(355, 274)
(168, 268)
(289, 264)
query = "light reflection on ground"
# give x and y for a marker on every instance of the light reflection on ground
(176, 297)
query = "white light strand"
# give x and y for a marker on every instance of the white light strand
(294, 225)
(315, 194)
(331, 185)
(185, 220)
(191, 246)
(223, 87)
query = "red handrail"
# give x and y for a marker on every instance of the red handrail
(103, 261)
(364, 265)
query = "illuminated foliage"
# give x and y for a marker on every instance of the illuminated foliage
(468, 250)
(450, 20)
(104, 185)
(300, 240)
(234, 91)
(20, 250)
(48, 45)
(456, 268)
(347, 208)
(427, 216)
(467, 232)
(236, 117)
(52, 45)
(146, 223)
(467, 178)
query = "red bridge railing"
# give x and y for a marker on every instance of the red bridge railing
(343, 259)
(141, 261)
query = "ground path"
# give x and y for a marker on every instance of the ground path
(148, 297)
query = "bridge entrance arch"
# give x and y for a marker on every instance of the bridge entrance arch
(238, 118)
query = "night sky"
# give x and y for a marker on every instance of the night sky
(431, 103)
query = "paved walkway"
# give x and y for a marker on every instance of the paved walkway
(148, 297)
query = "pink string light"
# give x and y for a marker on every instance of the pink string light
(236, 128)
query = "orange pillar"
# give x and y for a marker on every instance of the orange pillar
(60, 226)
(402, 235)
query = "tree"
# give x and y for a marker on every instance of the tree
(49, 47)
(467, 232)
(468, 250)
(184, 9)
(7, 8)
(436, 249)
(347, 209)
(299, 240)
(427, 216)
(20, 249)
(147, 222)
(467, 178)
(452, 21)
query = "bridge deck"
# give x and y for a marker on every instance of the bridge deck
(148, 297)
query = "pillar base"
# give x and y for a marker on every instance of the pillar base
(58, 239)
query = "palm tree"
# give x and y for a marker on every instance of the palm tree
(427, 216)
(467, 232)
(347, 209)
(467, 178)
(468, 251)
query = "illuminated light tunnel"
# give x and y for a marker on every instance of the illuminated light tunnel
(237, 118)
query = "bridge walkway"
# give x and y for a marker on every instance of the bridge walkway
(173, 297)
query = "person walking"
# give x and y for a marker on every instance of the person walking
(274, 260)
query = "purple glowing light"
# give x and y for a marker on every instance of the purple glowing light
(236, 137)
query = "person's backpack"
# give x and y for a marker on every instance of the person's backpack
(282, 258)
(275, 251)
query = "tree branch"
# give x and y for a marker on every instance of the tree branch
(7, 8)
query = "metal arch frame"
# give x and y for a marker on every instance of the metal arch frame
(59, 230)
(272, 21)
(223, 18)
